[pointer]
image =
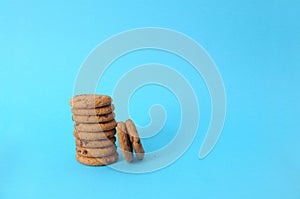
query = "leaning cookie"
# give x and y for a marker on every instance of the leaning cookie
(96, 127)
(92, 119)
(135, 140)
(94, 111)
(96, 152)
(90, 101)
(97, 161)
(124, 142)
(95, 143)
(95, 135)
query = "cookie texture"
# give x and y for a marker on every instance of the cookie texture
(92, 119)
(124, 141)
(95, 143)
(97, 161)
(94, 111)
(135, 139)
(96, 152)
(90, 101)
(96, 127)
(94, 135)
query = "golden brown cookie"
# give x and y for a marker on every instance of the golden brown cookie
(135, 140)
(96, 127)
(94, 111)
(97, 161)
(94, 135)
(95, 143)
(92, 119)
(90, 101)
(124, 142)
(96, 152)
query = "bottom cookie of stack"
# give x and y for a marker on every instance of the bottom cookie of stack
(102, 161)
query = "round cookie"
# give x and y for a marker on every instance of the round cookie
(91, 119)
(96, 152)
(95, 143)
(94, 111)
(97, 161)
(90, 101)
(124, 142)
(96, 127)
(135, 140)
(94, 135)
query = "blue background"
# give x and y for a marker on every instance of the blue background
(256, 46)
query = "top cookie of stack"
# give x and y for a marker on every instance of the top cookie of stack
(91, 104)
(94, 129)
(90, 101)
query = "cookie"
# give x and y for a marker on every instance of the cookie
(97, 161)
(94, 111)
(124, 142)
(95, 143)
(96, 127)
(95, 135)
(90, 101)
(135, 140)
(96, 152)
(91, 119)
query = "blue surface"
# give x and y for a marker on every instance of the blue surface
(256, 46)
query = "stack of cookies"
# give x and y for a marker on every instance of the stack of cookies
(95, 129)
